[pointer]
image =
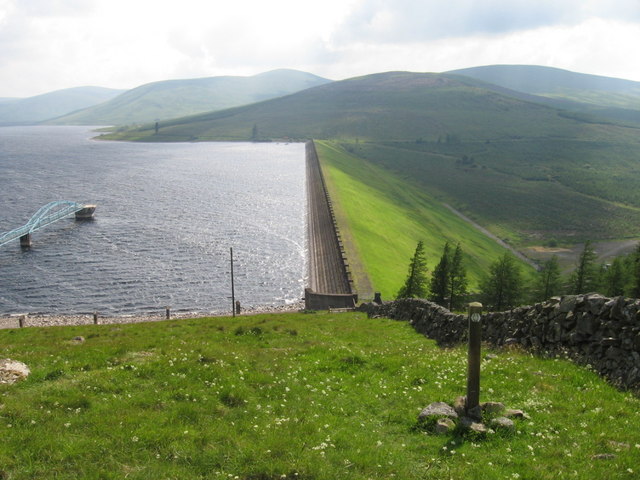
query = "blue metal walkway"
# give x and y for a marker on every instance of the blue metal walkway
(51, 212)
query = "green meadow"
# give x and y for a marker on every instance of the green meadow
(298, 396)
(385, 216)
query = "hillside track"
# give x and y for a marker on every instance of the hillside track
(328, 272)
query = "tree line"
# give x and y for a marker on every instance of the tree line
(504, 286)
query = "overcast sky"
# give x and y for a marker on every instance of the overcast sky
(47, 45)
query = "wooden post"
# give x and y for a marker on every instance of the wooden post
(233, 291)
(475, 337)
(21, 321)
(167, 312)
(95, 318)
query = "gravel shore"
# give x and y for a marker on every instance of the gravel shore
(38, 320)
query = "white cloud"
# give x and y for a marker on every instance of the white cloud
(51, 44)
(596, 46)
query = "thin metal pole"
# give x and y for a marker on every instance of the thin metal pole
(233, 291)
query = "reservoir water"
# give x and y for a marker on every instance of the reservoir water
(167, 216)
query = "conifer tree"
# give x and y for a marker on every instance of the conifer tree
(440, 278)
(416, 282)
(615, 278)
(547, 283)
(583, 279)
(457, 279)
(502, 288)
(635, 291)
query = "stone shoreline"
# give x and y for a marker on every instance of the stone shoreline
(54, 320)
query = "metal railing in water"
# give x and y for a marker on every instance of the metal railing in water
(46, 215)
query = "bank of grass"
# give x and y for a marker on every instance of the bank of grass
(383, 217)
(298, 396)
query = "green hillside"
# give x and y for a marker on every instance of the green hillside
(527, 172)
(387, 106)
(526, 191)
(555, 82)
(159, 101)
(27, 111)
(594, 97)
(385, 217)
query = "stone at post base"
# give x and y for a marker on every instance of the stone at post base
(438, 409)
(515, 413)
(492, 408)
(468, 423)
(437, 417)
(444, 425)
(503, 423)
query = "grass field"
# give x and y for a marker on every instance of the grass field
(384, 217)
(297, 396)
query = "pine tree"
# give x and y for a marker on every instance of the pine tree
(615, 278)
(548, 282)
(635, 292)
(584, 278)
(457, 279)
(440, 278)
(502, 288)
(416, 283)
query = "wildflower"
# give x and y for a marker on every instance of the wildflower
(134, 439)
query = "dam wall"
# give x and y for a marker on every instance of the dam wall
(330, 283)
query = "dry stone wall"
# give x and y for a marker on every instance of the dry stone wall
(591, 329)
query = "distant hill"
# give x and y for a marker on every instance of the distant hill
(31, 110)
(558, 83)
(159, 101)
(385, 106)
(524, 170)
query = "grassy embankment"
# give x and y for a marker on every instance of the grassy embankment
(383, 218)
(525, 191)
(321, 396)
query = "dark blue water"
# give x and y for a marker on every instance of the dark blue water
(167, 216)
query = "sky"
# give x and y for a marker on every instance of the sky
(47, 45)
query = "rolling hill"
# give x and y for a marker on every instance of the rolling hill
(32, 110)
(399, 106)
(159, 101)
(592, 96)
(528, 172)
(555, 82)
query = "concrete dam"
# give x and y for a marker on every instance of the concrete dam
(330, 284)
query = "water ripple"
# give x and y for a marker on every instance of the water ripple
(167, 216)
